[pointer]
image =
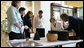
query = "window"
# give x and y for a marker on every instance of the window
(56, 14)
(58, 9)
(70, 13)
(80, 12)
(64, 10)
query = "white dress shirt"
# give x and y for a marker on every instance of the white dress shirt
(38, 22)
(57, 27)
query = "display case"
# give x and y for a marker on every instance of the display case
(80, 12)
(56, 13)
(58, 9)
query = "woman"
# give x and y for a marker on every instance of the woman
(15, 21)
(55, 26)
(28, 22)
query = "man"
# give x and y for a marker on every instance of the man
(75, 23)
(39, 24)
(22, 12)
(39, 20)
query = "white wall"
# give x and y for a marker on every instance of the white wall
(27, 5)
(45, 6)
(36, 7)
(23, 4)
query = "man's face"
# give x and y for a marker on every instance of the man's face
(40, 15)
(22, 12)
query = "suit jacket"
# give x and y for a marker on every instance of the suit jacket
(27, 21)
(76, 24)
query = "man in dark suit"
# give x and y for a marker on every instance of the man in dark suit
(22, 12)
(75, 23)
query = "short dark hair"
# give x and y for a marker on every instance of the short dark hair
(40, 11)
(22, 9)
(14, 3)
(64, 15)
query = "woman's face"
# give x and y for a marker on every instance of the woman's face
(31, 14)
(40, 15)
(53, 21)
(22, 12)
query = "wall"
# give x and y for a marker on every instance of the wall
(4, 36)
(36, 7)
(45, 6)
(27, 5)
(4, 6)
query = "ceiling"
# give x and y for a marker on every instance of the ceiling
(74, 3)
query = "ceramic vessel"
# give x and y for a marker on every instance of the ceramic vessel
(52, 37)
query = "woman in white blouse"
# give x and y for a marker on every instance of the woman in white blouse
(55, 26)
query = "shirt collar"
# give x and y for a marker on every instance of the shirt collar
(15, 8)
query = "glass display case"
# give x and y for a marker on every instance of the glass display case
(80, 12)
(57, 10)
(56, 14)
(64, 10)
(70, 12)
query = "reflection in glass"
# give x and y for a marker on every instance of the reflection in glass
(80, 12)
(56, 14)
(70, 13)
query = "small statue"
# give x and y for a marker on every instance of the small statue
(36, 36)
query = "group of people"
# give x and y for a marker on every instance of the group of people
(18, 20)
(74, 22)
(21, 22)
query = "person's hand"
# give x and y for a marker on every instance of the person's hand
(32, 15)
(31, 31)
(26, 27)
(22, 29)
